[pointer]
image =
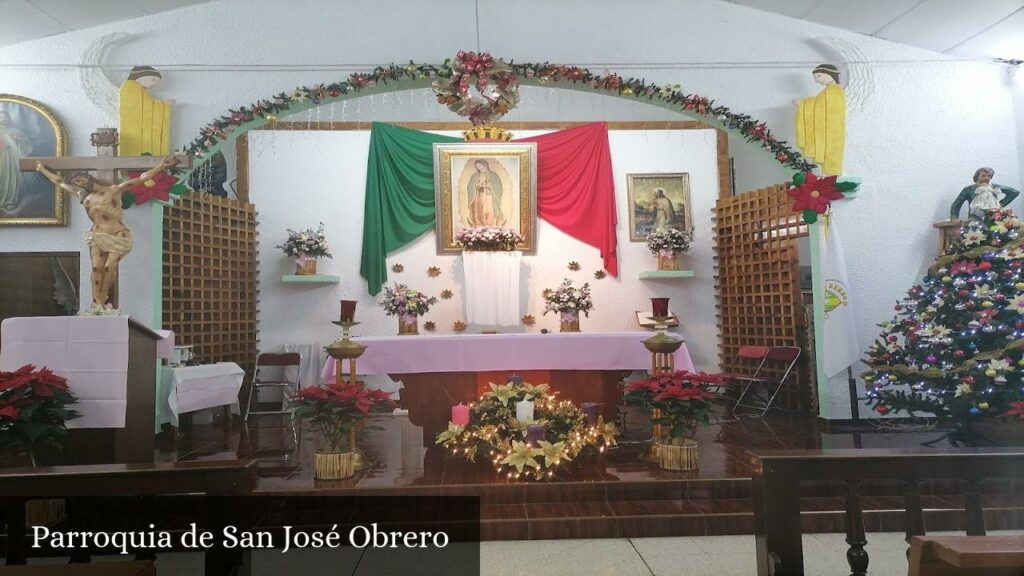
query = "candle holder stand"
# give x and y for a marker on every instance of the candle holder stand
(663, 361)
(347, 349)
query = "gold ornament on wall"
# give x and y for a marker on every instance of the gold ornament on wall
(547, 293)
(446, 294)
(574, 266)
(433, 271)
(600, 274)
(529, 320)
(459, 326)
(429, 326)
(397, 268)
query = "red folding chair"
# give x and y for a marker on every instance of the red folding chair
(776, 356)
(751, 355)
(279, 379)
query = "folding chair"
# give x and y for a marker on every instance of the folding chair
(283, 361)
(777, 355)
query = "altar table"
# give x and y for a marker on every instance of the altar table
(493, 352)
(439, 371)
(190, 388)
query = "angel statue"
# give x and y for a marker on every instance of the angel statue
(109, 239)
(982, 196)
(821, 122)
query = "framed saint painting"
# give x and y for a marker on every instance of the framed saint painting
(659, 200)
(27, 128)
(481, 185)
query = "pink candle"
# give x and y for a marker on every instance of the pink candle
(460, 415)
(660, 306)
(348, 310)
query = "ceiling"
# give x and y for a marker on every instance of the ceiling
(22, 20)
(961, 28)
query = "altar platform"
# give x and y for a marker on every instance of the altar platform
(613, 496)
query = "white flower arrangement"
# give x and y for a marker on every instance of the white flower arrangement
(308, 243)
(489, 238)
(668, 241)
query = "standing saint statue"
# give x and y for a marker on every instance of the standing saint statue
(144, 123)
(982, 196)
(821, 122)
(109, 239)
(484, 190)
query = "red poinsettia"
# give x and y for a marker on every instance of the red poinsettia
(157, 188)
(680, 401)
(335, 409)
(33, 409)
(815, 193)
(1016, 409)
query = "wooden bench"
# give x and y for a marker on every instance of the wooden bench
(19, 485)
(967, 556)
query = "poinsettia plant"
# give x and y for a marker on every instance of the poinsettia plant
(335, 410)
(680, 401)
(813, 195)
(33, 410)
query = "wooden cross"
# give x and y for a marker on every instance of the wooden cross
(106, 164)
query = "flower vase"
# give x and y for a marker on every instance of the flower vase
(672, 456)
(411, 328)
(668, 260)
(570, 322)
(334, 465)
(305, 265)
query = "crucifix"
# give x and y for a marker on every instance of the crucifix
(109, 239)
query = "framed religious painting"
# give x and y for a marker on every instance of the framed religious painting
(658, 200)
(485, 185)
(28, 128)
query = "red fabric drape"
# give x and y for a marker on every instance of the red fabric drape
(575, 188)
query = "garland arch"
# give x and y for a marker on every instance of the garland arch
(393, 78)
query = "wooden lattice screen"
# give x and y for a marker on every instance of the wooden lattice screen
(758, 271)
(211, 278)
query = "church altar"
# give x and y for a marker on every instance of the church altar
(494, 352)
(438, 372)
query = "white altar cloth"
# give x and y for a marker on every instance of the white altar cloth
(190, 388)
(492, 287)
(90, 351)
(493, 352)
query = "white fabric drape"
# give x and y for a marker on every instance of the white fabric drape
(492, 287)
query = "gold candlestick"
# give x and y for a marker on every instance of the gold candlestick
(347, 349)
(663, 361)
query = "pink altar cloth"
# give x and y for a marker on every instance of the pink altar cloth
(492, 352)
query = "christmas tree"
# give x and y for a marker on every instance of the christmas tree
(956, 346)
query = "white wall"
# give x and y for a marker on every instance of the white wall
(298, 179)
(915, 139)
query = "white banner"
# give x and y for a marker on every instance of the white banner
(841, 348)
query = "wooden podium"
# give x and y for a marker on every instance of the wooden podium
(110, 363)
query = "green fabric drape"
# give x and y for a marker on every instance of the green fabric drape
(399, 195)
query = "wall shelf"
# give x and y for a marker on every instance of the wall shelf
(659, 274)
(311, 278)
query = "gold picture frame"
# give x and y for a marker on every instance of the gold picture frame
(28, 128)
(510, 186)
(643, 214)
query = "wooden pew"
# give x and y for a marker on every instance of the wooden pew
(226, 478)
(967, 556)
(776, 489)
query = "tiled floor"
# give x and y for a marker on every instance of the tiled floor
(824, 555)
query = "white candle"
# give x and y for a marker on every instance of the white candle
(524, 410)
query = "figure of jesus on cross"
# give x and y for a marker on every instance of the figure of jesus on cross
(109, 239)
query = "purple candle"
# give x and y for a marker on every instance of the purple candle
(535, 433)
(348, 310)
(590, 409)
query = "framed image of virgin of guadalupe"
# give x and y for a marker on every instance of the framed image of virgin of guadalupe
(485, 185)
(28, 128)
